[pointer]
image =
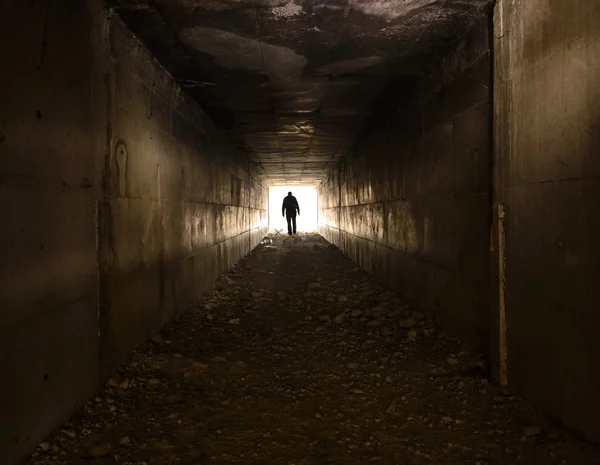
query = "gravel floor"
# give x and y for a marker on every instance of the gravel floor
(298, 357)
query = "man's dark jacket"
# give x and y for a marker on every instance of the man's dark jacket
(290, 206)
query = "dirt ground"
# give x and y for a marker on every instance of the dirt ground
(298, 357)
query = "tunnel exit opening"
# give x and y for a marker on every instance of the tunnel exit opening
(307, 200)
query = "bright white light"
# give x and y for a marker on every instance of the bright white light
(307, 199)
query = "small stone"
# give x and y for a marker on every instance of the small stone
(112, 383)
(200, 366)
(95, 452)
(376, 312)
(356, 313)
(235, 321)
(125, 384)
(353, 366)
(393, 406)
(407, 323)
(395, 313)
(451, 360)
(156, 339)
(125, 441)
(339, 319)
(318, 416)
(219, 359)
(45, 446)
(342, 299)
(532, 431)
(313, 286)
(412, 335)
(154, 382)
(308, 318)
(323, 317)
(385, 331)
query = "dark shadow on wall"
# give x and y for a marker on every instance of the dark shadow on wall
(547, 115)
(413, 203)
(121, 201)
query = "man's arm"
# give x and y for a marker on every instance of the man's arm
(297, 207)
(283, 208)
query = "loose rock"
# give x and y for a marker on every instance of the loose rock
(532, 431)
(45, 446)
(407, 323)
(376, 385)
(95, 452)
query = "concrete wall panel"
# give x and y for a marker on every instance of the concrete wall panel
(547, 109)
(177, 195)
(52, 135)
(121, 205)
(49, 366)
(412, 204)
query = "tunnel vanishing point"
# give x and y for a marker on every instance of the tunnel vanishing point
(454, 145)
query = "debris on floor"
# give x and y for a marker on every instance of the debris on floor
(266, 241)
(299, 357)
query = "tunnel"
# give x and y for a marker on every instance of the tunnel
(439, 301)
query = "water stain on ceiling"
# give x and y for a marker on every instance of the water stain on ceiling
(294, 83)
(238, 52)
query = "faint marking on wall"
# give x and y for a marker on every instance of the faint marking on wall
(351, 65)
(287, 11)
(502, 344)
(121, 159)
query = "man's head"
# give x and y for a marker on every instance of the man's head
(290, 194)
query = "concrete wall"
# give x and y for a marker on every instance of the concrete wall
(413, 203)
(120, 203)
(51, 147)
(182, 206)
(547, 113)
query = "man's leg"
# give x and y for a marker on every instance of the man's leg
(289, 222)
(294, 222)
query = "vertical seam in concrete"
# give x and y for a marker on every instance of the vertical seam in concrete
(340, 204)
(498, 324)
(491, 103)
(105, 220)
(492, 262)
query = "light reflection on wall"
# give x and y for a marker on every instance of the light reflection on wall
(307, 199)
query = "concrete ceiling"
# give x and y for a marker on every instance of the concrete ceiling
(294, 83)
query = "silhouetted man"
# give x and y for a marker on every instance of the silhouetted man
(289, 208)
